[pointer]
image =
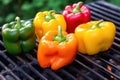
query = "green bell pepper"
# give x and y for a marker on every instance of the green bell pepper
(19, 36)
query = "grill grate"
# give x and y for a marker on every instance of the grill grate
(104, 66)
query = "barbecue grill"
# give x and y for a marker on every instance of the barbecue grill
(103, 66)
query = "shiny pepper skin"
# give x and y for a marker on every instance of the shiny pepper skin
(19, 36)
(56, 51)
(48, 20)
(76, 14)
(95, 36)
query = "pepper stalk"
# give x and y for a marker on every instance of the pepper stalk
(97, 25)
(77, 8)
(49, 16)
(18, 23)
(59, 37)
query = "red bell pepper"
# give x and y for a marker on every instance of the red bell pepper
(75, 15)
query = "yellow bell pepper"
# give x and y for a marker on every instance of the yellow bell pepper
(48, 20)
(95, 36)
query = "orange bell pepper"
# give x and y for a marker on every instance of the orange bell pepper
(56, 49)
(48, 20)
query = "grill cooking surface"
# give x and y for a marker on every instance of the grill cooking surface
(104, 66)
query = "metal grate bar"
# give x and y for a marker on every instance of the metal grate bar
(21, 74)
(91, 70)
(32, 72)
(114, 58)
(104, 10)
(114, 66)
(109, 6)
(100, 67)
(66, 74)
(102, 16)
(52, 74)
(8, 75)
(115, 50)
(78, 72)
(7, 62)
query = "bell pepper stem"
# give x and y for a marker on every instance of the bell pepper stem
(77, 8)
(97, 25)
(59, 37)
(49, 16)
(18, 23)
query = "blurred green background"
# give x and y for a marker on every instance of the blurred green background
(27, 9)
